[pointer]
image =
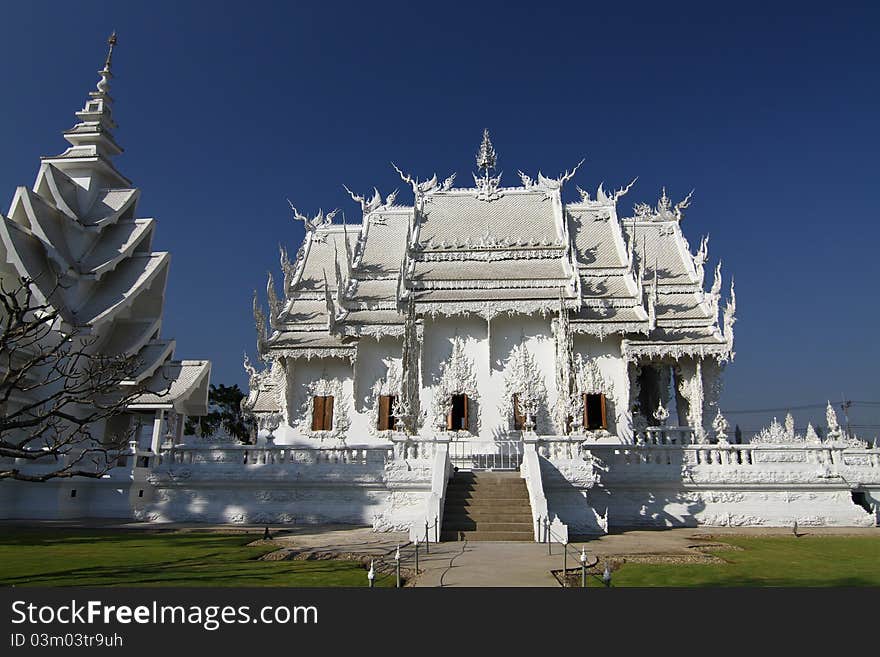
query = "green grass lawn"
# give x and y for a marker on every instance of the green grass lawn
(769, 561)
(113, 558)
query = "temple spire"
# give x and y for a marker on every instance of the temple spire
(105, 73)
(93, 136)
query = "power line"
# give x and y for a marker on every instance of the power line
(802, 407)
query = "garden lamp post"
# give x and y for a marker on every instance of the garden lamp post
(583, 567)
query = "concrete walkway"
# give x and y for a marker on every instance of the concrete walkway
(495, 563)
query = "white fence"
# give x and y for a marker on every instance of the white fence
(486, 455)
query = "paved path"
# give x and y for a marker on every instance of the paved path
(496, 563)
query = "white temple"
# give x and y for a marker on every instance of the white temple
(78, 236)
(492, 327)
(477, 328)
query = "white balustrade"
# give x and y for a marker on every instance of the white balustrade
(259, 455)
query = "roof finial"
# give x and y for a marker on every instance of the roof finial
(486, 157)
(104, 82)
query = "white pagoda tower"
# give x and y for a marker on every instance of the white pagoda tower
(78, 236)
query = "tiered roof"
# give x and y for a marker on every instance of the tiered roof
(488, 250)
(77, 236)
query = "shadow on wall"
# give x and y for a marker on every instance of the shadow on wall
(287, 502)
(586, 510)
(646, 509)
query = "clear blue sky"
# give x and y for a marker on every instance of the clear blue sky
(227, 110)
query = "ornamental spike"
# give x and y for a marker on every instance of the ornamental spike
(486, 157)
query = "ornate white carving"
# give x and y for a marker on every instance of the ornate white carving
(391, 384)
(488, 187)
(373, 204)
(661, 414)
(720, 425)
(589, 379)
(320, 220)
(776, 434)
(523, 377)
(834, 432)
(699, 259)
(557, 183)
(730, 319)
(259, 324)
(602, 197)
(502, 247)
(664, 211)
(490, 254)
(274, 303)
(485, 309)
(457, 377)
(691, 390)
(287, 269)
(324, 387)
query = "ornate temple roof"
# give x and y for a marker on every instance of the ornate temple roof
(488, 250)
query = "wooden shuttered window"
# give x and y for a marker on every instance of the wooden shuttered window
(519, 420)
(386, 412)
(595, 416)
(322, 413)
(457, 420)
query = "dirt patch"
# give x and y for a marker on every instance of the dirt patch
(383, 566)
(715, 547)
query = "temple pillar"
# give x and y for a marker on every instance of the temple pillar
(681, 404)
(712, 387)
(691, 390)
(664, 376)
(637, 418)
(156, 438)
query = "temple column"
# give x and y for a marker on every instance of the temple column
(691, 390)
(637, 417)
(712, 386)
(156, 438)
(681, 404)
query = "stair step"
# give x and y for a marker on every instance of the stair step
(487, 526)
(487, 536)
(494, 494)
(481, 513)
(487, 507)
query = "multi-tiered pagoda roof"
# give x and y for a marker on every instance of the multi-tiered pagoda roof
(491, 250)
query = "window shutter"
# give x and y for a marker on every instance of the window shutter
(328, 413)
(392, 419)
(449, 417)
(585, 400)
(384, 412)
(464, 420)
(518, 419)
(604, 418)
(317, 413)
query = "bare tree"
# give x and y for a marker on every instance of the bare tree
(55, 390)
